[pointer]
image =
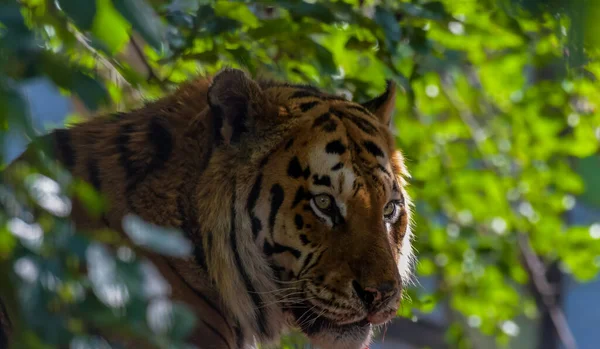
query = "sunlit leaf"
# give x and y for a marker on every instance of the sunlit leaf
(110, 27)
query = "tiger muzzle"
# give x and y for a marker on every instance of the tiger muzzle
(381, 302)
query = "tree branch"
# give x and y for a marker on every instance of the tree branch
(151, 74)
(536, 270)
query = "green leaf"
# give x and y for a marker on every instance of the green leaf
(355, 43)
(174, 319)
(389, 24)
(110, 27)
(211, 24)
(432, 10)
(167, 241)
(143, 19)
(90, 90)
(300, 9)
(81, 12)
(589, 168)
(14, 110)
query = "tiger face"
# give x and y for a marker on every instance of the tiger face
(337, 240)
(329, 210)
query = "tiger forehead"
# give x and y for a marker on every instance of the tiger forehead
(340, 162)
(341, 143)
(306, 97)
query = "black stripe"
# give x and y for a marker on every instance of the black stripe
(363, 124)
(337, 166)
(276, 201)
(361, 109)
(304, 239)
(308, 106)
(252, 198)
(312, 265)
(125, 160)
(373, 149)
(301, 194)
(215, 331)
(263, 162)
(278, 248)
(295, 170)
(64, 145)
(289, 144)
(299, 221)
(161, 140)
(94, 173)
(317, 94)
(256, 299)
(124, 153)
(321, 120)
(356, 149)
(200, 295)
(192, 232)
(384, 170)
(335, 147)
(239, 335)
(328, 124)
(307, 260)
(265, 84)
(304, 93)
(324, 180)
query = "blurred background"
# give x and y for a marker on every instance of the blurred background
(497, 115)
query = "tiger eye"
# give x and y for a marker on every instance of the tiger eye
(323, 201)
(389, 209)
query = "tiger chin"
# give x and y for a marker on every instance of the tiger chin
(294, 199)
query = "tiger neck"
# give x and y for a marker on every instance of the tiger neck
(237, 267)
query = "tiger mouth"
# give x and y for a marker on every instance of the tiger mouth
(313, 322)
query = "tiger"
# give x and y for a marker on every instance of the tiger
(294, 199)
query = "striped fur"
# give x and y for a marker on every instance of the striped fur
(236, 164)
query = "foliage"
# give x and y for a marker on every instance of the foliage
(494, 122)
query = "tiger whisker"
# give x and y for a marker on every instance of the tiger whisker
(286, 301)
(318, 316)
(300, 323)
(292, 281)
(281, 290)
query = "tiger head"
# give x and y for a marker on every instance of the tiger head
(326, 202)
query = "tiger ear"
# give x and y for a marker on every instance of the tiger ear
(237, 103)
(383, 106)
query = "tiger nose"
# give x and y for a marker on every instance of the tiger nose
(372, 296)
